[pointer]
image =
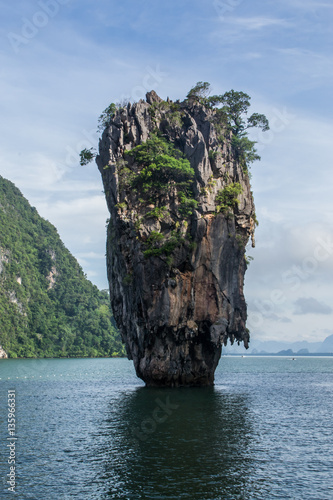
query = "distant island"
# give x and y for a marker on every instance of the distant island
(275, 347)
(48, 308)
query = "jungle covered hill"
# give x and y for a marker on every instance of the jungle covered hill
(48, 308)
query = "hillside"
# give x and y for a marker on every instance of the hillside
(48, 308)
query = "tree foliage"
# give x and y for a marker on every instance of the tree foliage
(47, 306)
(244, 149)
(86, 156)
(236, 105)
(162, 166)
(227, 198)
(199, 92)
(106, 116)
(154, 170)
(231, 110)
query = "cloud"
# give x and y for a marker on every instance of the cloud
(304, 62)
(39, 170)
(311, 305)
(279, 319)
(91, 255)
(80, 221)
(247, 32)
(307, 5)
(258, 23)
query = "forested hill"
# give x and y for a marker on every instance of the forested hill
(48, 308)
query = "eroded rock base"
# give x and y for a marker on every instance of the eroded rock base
(168, 363)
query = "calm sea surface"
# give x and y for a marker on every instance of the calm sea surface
(88, 429)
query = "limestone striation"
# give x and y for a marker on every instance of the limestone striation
(175, 255)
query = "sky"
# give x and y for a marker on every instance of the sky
(62, 62)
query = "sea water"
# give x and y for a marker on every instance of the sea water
(89, 429)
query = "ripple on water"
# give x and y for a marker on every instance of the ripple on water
(88, 429)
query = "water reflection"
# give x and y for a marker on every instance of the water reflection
(177, 443)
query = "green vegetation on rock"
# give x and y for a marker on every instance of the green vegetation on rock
(227, 198)
(87, 156)
(158, 168)
(48, 308)
(106, 116)
(231, 113)
(161, 167)
(199, 92)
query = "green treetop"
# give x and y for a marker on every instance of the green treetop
(231, 111)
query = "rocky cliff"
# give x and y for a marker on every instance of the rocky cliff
(48, 308)
(176, 237)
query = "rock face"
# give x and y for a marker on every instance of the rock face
(3, 354)
(176, 308)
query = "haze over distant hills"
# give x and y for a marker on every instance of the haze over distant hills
(275, 347)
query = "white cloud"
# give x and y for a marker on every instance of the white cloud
(315, 65)
(90, 255)
(31, 170)
(310, 305)
(258, 22)
(307, 5)
(81, 223)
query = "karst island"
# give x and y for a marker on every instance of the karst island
(177, 185)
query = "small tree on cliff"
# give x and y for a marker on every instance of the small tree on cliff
(235, 106)
(106, 116)
(231, 112)
(199, 92)
(87, 155)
